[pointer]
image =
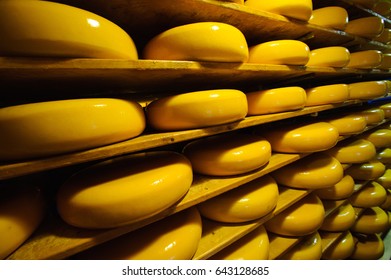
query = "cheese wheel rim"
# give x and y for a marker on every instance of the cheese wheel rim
(331, 17)
(328, 94)
(342, 219)
(341, 190)
(353, 151)
(373, 220)
(337, 57)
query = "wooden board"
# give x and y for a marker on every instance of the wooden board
(329, 238)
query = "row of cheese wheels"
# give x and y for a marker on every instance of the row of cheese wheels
(83, 200)
(50, 128)
(30, 28)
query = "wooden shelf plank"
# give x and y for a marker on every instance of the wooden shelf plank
(281, 244)
(329, 238)
(143, 142)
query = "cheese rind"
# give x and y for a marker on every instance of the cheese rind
(368, 27)
(371, 170)
(349, 124)
(353, 151)
(367, 59)
(372, 220)
(342, 219)
(329, 57)
(328, 94)
(367, 90)
(371, 195)
(310, 248)
(370, 247)
(330, 17)
(340, 250)
(341, 190)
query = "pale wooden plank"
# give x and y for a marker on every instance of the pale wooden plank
(278, 245)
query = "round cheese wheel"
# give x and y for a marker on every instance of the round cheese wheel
(341, 190)
(386, 108)
(22, 208)
(302, 138)
(200, 41)
(384, 155)
(302, 218)
(341, 249)
(308, 249)
(381, 138)
(372, 220)
(371, 170)
(382, 7)
(281, 52)
(373, 116)
(329, 57)
(225, 155)
(274, 100)
(349, 124)
(50, 128)
(353, 151)
(245, 203)
(173, 238)
(386, 61)
(331, 17)
(365, 59)
(368, 27)
(327, 94)
(343, 218)
(385, 38)
(385, 179)
(387, 203)
(372, 194)
(298, 9)
(367, 90)
(47, 29)
(197, 109)
(316, 171)
(369, 247)
(252, 246)
(124, 190)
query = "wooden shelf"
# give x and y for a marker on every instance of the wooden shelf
(329, 238)
(143, 142)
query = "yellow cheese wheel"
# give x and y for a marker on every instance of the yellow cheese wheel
(200, 41)
(316, 171)
(367, 59)
(368, 27)
(385, 179)
(329, 57)
(341, 249)
(343, 218)
(298, 9)
(372, 194)
(252, 246)
(302, 218)
(302, 138)
(276, 100)
(22, 208)
(387, 203)
(367, 90)
(124, 190)
(371, 170)
(245, 203)
(384, 155)
(55, 127)
(327, 94)
(386, 108)
(373, 116)
(372, 220)
(330, 17)
(310, 248)
(369, 247)
(385, 38)
(282, 52)
(381, 138)
(382, 7)
(197, 109)
(353, 151)
(341, 190)
(173, 238)
(42, 29)
(224, 155)
(349, 124)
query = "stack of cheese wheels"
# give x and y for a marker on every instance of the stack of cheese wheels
(371, 195)
(368, 27)
(316, 171)
(200, 41)
(348, 124)
(381, 138)
(252, 246)
(329, 57)
(47, 29)
(342, 219)
(275, 100)
(124, 190)
(385, 179)
(22, 209)
(353, 151)
(341, 190)
(247, 202)
(368, 247)
(308, 249)
(373, 220)
(331, 17)
(225, 155)
(302, 218)
(367, 90)
(298, 9)
(55, 127)
(373, 116)
(370, 170)
(327, 94)
(367, 59)
(301, 138)
(197, 109)
(173, 238)
(386, 108)
(342, 249)
(280, 52)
